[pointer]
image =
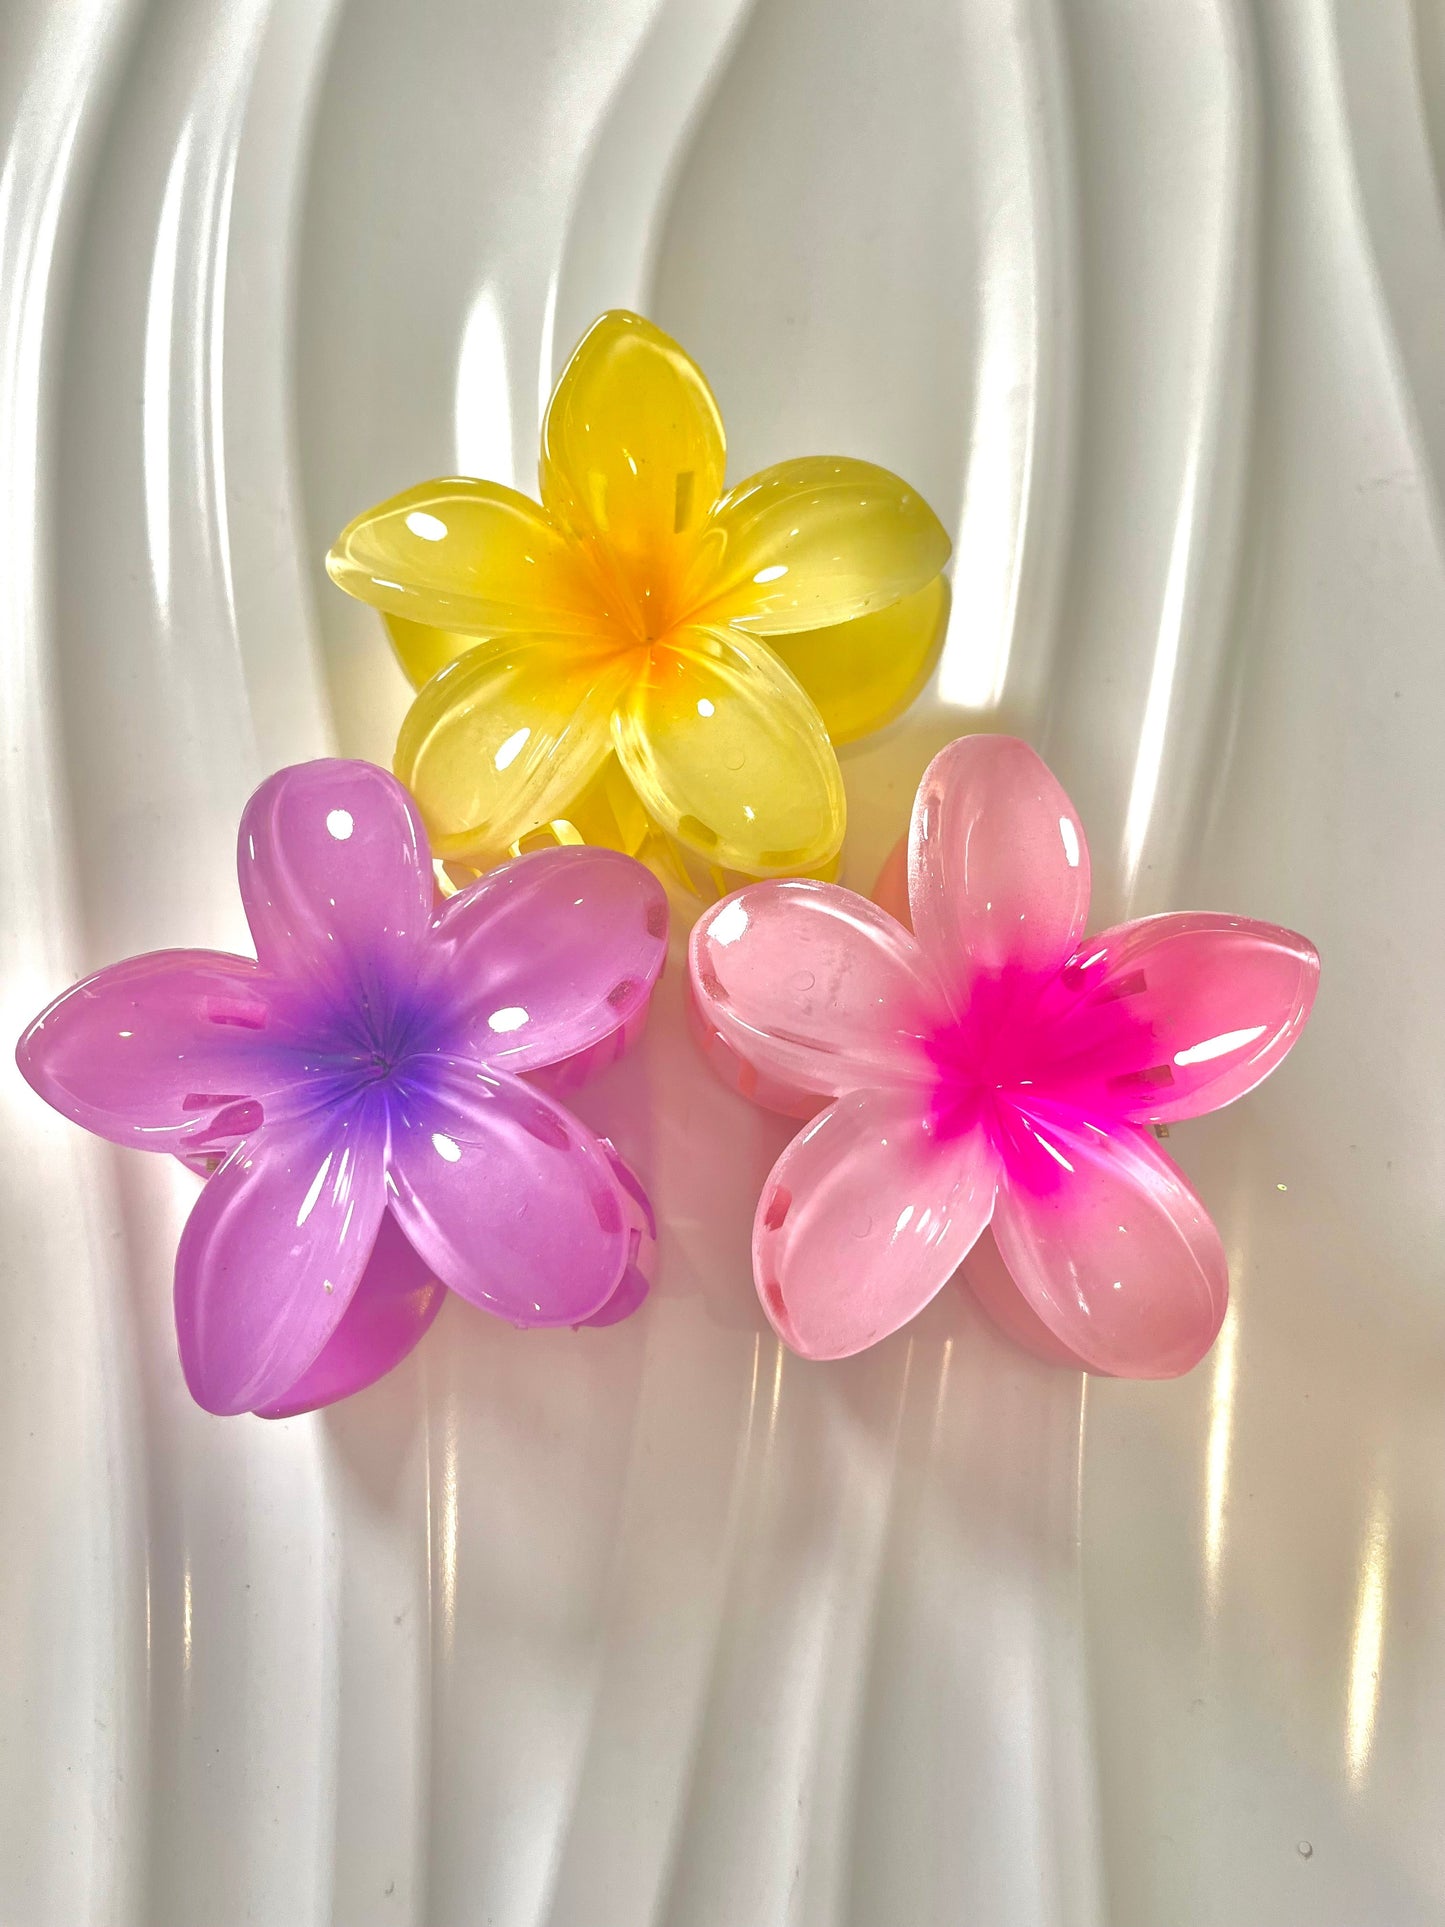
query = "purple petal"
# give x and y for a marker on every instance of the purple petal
(642, 1233)
(548, 956)
(629, 1297)
(507, 1197)
(272, 1254)
(336, 875)
(152, 1051)
(395, 1304)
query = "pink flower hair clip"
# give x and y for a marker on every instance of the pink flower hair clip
(984, 1082)
(366, 1093)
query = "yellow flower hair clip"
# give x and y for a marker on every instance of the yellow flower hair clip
(644, 656)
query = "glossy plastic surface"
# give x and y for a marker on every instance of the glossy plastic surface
(994, 1070)
(626, 617)
(360, 1087)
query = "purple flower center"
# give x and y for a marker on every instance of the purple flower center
(375, 1038)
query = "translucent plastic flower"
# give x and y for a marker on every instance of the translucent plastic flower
(991, 1068)
(644, 652)
(361, 1087)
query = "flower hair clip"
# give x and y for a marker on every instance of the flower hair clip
(985, 1080)
(367, 1092)
(645, 661)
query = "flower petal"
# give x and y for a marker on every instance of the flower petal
(863, 673)
(1205, 1007)
(468, 556)
(864, 1218)
(730, 757)
(998, 868)
(814, 988)
(632, 458)
(1114, 1252)
(151, 1051)
(423, 651)
(335, 874)
(503, 739)
(506, 1196)
(815, 542)
(272, 1253)
(547, 956)
(391, 1311)
(636, 1280)
(990, 1283)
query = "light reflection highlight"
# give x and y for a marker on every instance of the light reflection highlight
(1367, 1646)
(729, 923)
(430, 528)
(447, 1536)
(777, 1397)
(187, 1650)
(308, 1203)
(940, 1397)
(1218, 1455)
(156, 374)
(1221, 1046)
(988, 565)
(1150, 759)
(483, 421)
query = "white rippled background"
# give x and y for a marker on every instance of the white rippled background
(656, 1627)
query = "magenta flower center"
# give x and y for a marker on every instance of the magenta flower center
(1026, 1048)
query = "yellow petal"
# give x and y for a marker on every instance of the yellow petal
(730, 756)
(504, 738)
(810, 543)
(471, 557)
(605, 813)
(632, 459)
(863, 673)
(424, 652)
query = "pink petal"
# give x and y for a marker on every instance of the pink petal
(998, 868)
(1201, 1009)
(335, 874)
(548, 956)
(508, 1198)
(272, 1253)
(864, 1218)
(1113, 1251)
(814, 989)
(990, 1283)
(394, 1305)
(151, 1051)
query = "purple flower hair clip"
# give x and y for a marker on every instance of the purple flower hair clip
(368, 1095)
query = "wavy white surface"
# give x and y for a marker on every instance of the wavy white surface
(656, 1625)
